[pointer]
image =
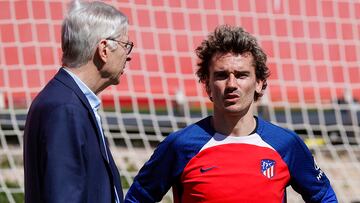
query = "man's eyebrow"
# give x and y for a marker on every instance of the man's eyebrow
(220, 71)
(235, 71)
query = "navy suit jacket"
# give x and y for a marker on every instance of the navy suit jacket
(64, 158)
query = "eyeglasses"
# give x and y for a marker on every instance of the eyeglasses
(126, 45)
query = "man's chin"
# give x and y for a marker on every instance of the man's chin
(229, 105)
(114, 81)
(232, 110)
(236, 109)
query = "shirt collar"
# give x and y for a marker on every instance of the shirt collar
(90, 95)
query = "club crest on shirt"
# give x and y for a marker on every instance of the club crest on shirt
(268, 168)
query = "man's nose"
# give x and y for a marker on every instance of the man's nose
(231, 81)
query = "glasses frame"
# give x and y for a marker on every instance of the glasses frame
(126, 45)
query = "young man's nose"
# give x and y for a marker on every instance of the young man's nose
(231, 80)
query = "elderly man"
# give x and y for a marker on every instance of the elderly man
(65, 153)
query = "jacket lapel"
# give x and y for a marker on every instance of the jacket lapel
(116, 176)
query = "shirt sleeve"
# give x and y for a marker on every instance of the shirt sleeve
(306, 176)
(157, 176)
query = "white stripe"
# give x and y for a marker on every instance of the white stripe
(219, 139)
(116, 196)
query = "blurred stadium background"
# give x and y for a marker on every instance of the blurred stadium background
(313, 48)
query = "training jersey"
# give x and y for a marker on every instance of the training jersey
(202, 165)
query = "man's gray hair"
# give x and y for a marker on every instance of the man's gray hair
(84, 26)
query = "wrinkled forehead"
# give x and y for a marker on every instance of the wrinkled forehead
(222, 56)
(230, 56)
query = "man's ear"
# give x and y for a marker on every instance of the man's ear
(259, 85)
(103, 50)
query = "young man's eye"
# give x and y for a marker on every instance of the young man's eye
(240, 75)
(221, 76)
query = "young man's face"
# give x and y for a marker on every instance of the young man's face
(232, 82)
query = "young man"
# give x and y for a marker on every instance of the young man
(65, 153)
(231, 156)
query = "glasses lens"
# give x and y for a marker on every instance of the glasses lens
(129, 47)
(126, 45)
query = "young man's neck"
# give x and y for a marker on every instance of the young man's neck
(234, 125)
